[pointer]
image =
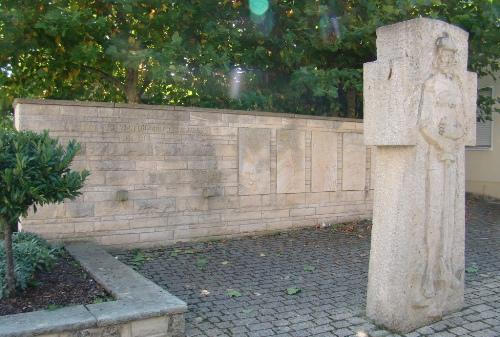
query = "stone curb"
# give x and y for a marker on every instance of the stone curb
(136, 298)
(176, 108)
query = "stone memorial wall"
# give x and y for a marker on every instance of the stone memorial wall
(161, 174)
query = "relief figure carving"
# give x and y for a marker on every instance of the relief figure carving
(442, 125)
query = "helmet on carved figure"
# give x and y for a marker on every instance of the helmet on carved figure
(445, 53)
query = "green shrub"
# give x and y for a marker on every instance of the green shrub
(34, 171)
(31, 254)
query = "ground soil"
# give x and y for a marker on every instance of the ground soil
(66, 284)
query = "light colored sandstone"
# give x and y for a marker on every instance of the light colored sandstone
(160, 175)
(254, 161)
(157, 236)
(372, 167)
(148, 222)
(276, 214)
(265, 120)
(119, 239)
(232, 216)
(252, 227)
(302, 211)
(419, 114)
(317, 198)
(159, 205)
(84, 227)
(78, 210)
(182, 219)
(191, 203)
(112, 225)
(353, 162)
(324, 161)
(291, 146)
(250, 201)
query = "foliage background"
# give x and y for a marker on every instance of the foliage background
(279, 55)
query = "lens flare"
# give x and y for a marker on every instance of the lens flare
(235, 85)
(336, 26)
(329, 26)
(259, 7)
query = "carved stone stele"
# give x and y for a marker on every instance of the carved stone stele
(420, 112)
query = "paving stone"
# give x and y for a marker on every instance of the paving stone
(260, 326)
(379, 333)
(485, 333)
(442, 334)
(459, 331)
(426, 330)
(261, 333)
(343, 332)
(474, 326)
(321, 329)
(413, 334)
(332, 300)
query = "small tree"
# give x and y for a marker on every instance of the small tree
(34, 170)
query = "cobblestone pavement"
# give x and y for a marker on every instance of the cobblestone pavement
(329, 266)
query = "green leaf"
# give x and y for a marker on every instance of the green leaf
(53, 307)
(138, 259)
(472, 269)
(175, 252)
(201, 262)
(233, 293)
(293, 290)
(309, 268)
(102, 299)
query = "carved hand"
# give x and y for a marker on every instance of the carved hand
(442, 127)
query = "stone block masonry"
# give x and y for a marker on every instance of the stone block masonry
(162, 174)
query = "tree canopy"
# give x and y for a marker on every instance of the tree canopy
(287, 55)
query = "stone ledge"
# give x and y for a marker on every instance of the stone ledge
(43, 322)
(62, 102)
(137, 298)
(177, 108)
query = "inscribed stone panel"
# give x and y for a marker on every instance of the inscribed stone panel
(324, 161)
(254, 169)
(353, 162)
(291, 176)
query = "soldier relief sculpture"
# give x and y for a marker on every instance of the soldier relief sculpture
(419, 113)
(442, 127)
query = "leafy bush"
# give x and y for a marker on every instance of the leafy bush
(31, 254)
(34, 171)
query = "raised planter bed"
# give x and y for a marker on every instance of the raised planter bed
(141, 309)
(66, 283)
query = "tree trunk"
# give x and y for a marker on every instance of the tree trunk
(10, 276)
(351, 103)
(132, 86)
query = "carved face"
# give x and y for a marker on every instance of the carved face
(446, 60)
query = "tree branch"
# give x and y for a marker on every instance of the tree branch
(105, 76)
(146, 83)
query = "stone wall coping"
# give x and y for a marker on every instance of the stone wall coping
(177, 108)
(136, 298)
